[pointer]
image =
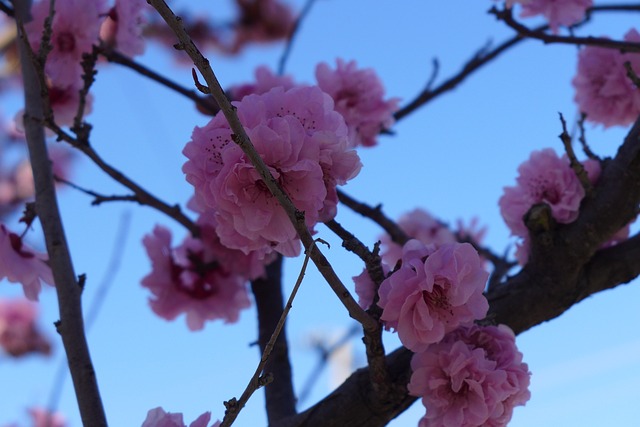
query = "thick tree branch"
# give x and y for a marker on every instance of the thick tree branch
(565, 267)
(279, 395)
(71, 325)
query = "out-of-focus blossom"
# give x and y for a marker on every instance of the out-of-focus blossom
(190, 279)
(604, 92)
(157, 417)
(359, 97)
(302, 140)
(261, 21)
(265, 81)
(122, 29)
(19, 334)
(75, 26)
(21, 264)
(556, 12)
(43, 418)
(474, 377)
(434, 291)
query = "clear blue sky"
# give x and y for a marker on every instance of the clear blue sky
(452, 157)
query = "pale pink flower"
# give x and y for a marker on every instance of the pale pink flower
(265, 81)
(76, 25)
(359, 97)
(157, 417)
(417, 224)
(302, 140)
(474, 377)
(434, 291)
(21, 264)
(19, 333)
(122, 29)
(544, 178)
(190, 279)
(43, 418)
(556, 12)
(604, 92)
(366, 288)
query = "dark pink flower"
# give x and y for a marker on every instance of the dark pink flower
(265, 81)
(20, 264)
(434, 291)
(261, 21)
(19, 333)
(190, 279)
(474, 377)
(157, 417)
(604, 92)
(359, 97)
(417, 224)
(557, 12)
(544, 178)
(76, 25)
(302, 140)
(122, 29)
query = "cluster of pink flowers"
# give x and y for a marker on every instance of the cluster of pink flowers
(604, 92)
(194, 278)
(157, 417)
(302, 140)
(21, 264)
(544, 178)
(359, 97)
(473, 377)
(19, 333)
(433, 292)
(557, 13)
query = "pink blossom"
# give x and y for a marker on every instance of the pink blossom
(265, 81)
(544, 178)
(358, 94)
(261, 21)
(190, 279)
(19, 334)
(21, 264)
(473, 377)
(604, 92)
(556, 12)
(157, 417)
(303, 142)
(434, 291)
(43, 418)
(417, 224)
(366, 288)
(75, 26)
(122, 29)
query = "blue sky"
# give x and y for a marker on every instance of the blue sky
(452, 157)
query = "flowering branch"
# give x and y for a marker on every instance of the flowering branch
(240, 137)
(71, 325)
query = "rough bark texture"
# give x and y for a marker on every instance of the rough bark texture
(566, 266)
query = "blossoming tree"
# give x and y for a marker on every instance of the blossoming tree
(264, 170)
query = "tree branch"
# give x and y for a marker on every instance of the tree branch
(71, 325)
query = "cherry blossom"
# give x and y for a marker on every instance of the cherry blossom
(434, 291)
(122, 29)
(190, 279)
(366, 288)
(75, 26)
(303, 142)
(473, 377)
(604, 92)
(21, 264)
(265, 81)
(544, 178)
(261, 21)
(417, 224)
(157, 417)
(19, 334)
(556, 12)
(43, 418)
(358, 94)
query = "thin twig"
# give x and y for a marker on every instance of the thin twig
(97, 197)
(294, 31)
(582, 138)
(234, 406)
(578, 168)
(240, 137)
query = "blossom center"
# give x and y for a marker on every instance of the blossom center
(66, 42)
